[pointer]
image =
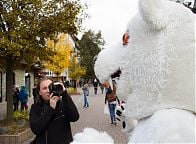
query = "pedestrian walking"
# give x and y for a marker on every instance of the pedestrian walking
(95, 84)
(35, 95)
(50, 117)
(101, 87)
(16, 97)
(80, 83)
(85, 89)
(112, 100)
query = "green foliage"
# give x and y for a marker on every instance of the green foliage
(25, 25)
(90, 45)
(75, 70)
(21, 115)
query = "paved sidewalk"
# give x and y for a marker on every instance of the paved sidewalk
(93, 117)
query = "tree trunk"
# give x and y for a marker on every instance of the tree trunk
(1, 98)
(9, 87)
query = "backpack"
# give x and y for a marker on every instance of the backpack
(111, 97)
(22, 97)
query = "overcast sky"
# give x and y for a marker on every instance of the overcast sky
(111, 17)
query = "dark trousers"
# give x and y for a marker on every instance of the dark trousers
(95, 89)
(15, 106)
(24, 106)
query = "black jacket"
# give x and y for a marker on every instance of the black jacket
(52, 126)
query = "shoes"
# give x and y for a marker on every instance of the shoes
(114, 123)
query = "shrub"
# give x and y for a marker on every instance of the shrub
(19, 115)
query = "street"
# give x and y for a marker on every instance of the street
(92, 117)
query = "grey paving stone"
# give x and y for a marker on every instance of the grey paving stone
(93, 117)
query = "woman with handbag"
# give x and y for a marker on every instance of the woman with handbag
(112, 100)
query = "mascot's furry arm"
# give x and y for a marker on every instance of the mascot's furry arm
(128, 124)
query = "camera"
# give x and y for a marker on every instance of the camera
(56, 89)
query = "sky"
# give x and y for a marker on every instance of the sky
(110, 17)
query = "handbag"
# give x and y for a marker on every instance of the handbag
(111, 97)
(106, 109)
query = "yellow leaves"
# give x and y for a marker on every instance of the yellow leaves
(62, 38)
(75, 70)
(60, 61)
(50, 44)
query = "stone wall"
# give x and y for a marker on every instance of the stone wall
(19, 77)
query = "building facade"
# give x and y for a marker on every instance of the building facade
(21, 78)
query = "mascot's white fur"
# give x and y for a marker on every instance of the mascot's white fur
(157, 72)
(90, 135)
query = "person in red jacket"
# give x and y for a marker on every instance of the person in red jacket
(50, 117)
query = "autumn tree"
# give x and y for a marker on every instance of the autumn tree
(60, 61)
(75, 70)
(24, 27)
(90, 45)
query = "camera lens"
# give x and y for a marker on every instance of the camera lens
(56, 89)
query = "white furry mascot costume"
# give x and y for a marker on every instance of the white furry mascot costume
(157, 72)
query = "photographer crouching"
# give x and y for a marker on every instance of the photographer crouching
(50, 117)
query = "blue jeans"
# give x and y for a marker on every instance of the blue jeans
(85, 100)
(112, 108)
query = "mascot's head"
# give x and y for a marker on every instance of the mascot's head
(157, 65)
